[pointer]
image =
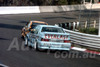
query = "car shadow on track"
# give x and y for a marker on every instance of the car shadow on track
(24, 22)
(3, 38)
(9, 26)
(59, 17)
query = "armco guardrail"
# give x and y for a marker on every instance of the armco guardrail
(82, 39)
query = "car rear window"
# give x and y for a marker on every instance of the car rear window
(52, 29)
(33, 26)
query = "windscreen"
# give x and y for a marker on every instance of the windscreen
(52, 29)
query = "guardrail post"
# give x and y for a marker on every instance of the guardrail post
(86, 24)
(99, 25)
(94, 23)
(73, 25)
(57, 25)
(69, 25)
(60, 24)
(77, 25)
(65, 25)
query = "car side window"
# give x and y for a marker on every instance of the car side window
(37, 30)
(28, 25)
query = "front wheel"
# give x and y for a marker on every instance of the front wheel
(26, 41)
(22, 37)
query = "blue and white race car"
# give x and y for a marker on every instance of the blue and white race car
(48, 37)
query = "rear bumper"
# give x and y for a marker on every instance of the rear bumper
(54, 45)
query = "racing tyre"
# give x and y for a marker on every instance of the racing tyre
(26, 41)
(23, 37)
(36, 46)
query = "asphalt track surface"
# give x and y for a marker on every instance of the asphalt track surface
(10, 31)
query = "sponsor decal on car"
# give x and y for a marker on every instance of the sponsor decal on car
(48, 36)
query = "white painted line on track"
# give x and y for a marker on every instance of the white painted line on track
(2, 65)
(85, 50)
(79, 49)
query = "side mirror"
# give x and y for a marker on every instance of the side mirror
(32, 30)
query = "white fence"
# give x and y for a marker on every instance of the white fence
(61, 8)
(19, 10)
(68, 7)
(84, 39)
(94, 6)
(40, 9)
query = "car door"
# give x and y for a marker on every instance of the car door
(36, 32)
(27, 28)
(33, 36)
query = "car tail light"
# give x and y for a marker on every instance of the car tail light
(44, 39)
(66, 41)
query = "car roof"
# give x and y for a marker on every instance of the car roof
(49, 26)
(38, 22)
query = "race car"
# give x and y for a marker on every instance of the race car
(31, 25)
(48, 37)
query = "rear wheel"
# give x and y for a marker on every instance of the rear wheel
(36, 46)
